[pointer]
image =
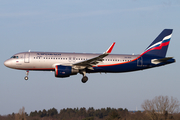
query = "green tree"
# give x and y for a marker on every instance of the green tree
(44, 113)
(52, 112)
(35, 113)
(113, 115)
(91, 112)
(82, 112)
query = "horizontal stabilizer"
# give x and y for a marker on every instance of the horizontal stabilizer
(157, 61)
(164, 59)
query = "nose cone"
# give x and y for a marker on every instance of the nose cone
(7, 63)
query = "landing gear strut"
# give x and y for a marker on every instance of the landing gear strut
(26, 77)
(85, 78)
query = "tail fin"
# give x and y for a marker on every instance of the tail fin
(160, 45)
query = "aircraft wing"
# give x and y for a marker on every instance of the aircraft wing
(93, 61)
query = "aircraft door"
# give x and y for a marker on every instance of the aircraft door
(26, 57)
(140, 62)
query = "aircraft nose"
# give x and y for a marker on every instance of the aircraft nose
(7, 63)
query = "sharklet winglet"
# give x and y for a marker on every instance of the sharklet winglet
(110, 48)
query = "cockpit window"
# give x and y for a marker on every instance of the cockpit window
(15, 57)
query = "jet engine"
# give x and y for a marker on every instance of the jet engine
(65, 71)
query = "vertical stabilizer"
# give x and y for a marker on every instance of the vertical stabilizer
(160, 45)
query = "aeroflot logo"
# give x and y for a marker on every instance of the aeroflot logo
(48, 54)
(164, 42)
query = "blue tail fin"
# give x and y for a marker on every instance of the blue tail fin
(160, 45)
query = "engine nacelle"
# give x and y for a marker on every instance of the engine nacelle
(65, 71)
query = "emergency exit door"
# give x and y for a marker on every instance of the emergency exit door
(26, 57)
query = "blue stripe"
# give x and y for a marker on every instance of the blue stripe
(167, 40)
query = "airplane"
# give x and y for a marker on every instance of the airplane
(67, 64)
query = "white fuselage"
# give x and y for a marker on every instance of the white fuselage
(48, 60)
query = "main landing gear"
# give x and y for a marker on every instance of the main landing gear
(85, 78)
(26, 77)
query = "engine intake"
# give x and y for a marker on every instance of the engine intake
(65, 71)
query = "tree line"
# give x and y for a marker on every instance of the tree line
(88, 114)
(159, 108)
(74, 114)
(81, 113)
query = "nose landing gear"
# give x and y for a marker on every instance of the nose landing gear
(26, 77)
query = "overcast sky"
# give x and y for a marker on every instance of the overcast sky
(88, 27)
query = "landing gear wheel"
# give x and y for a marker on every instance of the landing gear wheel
(84, 79)
(27, 73)
(26, 77)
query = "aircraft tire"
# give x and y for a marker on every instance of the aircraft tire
(26, 77)
(84, 79)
